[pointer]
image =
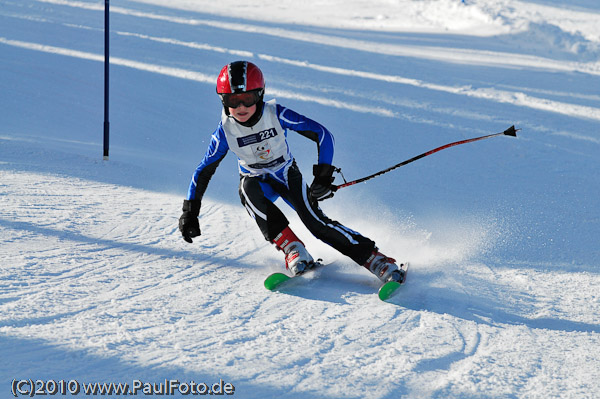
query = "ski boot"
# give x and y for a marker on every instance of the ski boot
(384, 268)
(297, 258)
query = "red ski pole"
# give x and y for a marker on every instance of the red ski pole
(511, 131)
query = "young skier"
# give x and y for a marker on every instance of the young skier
(256, 131)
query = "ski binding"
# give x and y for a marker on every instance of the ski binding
(273, 281)
(387, 290)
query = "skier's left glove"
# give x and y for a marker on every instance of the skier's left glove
(322, 187)
(188, 222)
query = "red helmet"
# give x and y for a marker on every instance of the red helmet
(240, 77)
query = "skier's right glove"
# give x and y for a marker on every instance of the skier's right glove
(321, 187)
(188, 222)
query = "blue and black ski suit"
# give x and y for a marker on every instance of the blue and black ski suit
(268, 171)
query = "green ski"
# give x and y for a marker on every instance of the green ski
(388, 289)
(273, 281)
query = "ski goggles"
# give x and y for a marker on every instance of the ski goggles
(234, 100)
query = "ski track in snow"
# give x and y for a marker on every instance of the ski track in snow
(516, 98)
(97, 285)
(109, 279)
(453, 55)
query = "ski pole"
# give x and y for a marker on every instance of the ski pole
(511, 131)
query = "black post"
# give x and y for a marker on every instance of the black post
(106, 81)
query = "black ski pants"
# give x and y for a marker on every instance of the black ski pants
(258, 194)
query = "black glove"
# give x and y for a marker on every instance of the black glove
(188, 222)
(321, 187)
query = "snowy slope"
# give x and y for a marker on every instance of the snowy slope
(96, 284)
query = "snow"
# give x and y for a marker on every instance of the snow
(96, 284)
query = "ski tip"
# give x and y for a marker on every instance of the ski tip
(511, 131)
(274, 280)
(388, 289)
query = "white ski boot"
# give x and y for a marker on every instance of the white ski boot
(384, 267)
(297, 258)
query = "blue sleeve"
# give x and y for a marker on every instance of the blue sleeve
(216, 151)
(313, 130)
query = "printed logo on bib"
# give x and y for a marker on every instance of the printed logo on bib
(257, 137)
(271, 164)
(262, 151)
